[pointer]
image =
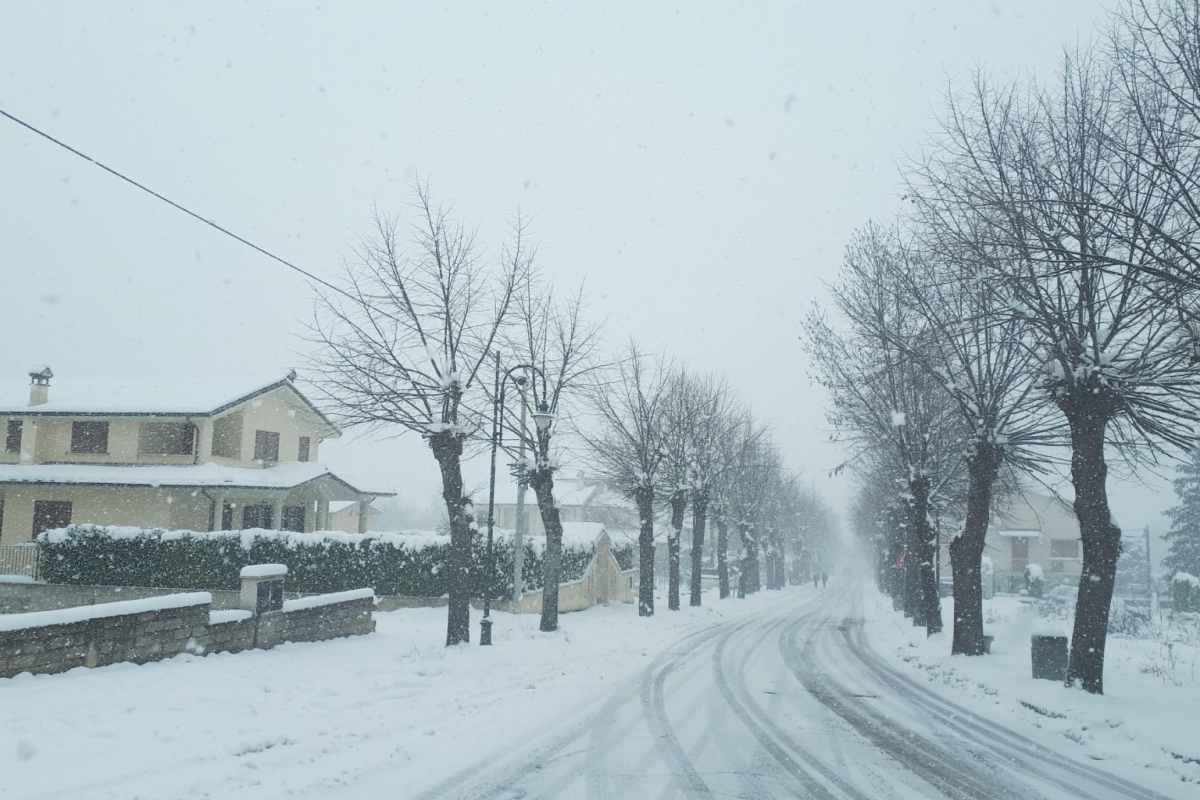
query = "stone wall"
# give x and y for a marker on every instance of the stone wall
(603, 582)
(107, 633)
(138, 636)
(315, 624)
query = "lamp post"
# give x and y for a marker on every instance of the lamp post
(542, 418)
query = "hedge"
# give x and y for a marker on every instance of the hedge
(391, 563)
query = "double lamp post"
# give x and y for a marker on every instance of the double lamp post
(542, 420)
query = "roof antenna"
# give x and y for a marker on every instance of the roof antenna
(291, 375)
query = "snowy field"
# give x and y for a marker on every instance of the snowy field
(376, 716)
(1144, 725)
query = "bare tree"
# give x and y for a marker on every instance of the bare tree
(403, 347)
(560, 346)
(968, 343)
(883, 399)
(628, 448)
(713, 414)
(1051, 177)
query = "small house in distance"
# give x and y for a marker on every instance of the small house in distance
(209, 456)
(1030, 529)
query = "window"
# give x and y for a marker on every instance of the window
(89, 437)
(259, 515)
(12, 438)
(166, 438)
(1064, 548)
(293, 518)
(50, 514)
(303, 453)
(266, 446)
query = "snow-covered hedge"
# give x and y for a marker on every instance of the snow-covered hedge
(407, 563)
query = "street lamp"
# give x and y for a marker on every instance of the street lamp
(542, 418)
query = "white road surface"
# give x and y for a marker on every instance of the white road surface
(793, 703)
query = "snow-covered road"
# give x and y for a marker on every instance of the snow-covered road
(790, 703)
(782, 695)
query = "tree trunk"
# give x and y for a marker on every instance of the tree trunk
(542, 481)
(699, 519)
(447, 449)
(748, 582)
(722, 557)
(1101, 546)
(678, 506)
(923, 582)
(966, 552)
(645, 505)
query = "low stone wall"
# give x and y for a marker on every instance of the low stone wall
(160, 627)
(56, 641)
(350, 616)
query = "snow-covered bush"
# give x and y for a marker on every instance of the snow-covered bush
(1035, 580)
(407, 563)
(1185, 592)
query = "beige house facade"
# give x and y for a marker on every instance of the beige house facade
(1030, 529)
(180, 457)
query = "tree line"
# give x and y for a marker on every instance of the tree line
(1032, 306)
(425, 334)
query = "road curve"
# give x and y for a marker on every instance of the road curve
(792, 703)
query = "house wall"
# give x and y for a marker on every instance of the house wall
(277, 411)
(104, 505)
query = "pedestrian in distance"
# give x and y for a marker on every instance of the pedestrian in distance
(824, 579)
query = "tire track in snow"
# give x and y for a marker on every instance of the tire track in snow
(778, 744)
(1016, 750)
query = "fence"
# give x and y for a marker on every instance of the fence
(19, 559)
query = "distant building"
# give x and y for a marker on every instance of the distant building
(198, 457)
(346, 515)
(1030, 529)
(579, 499)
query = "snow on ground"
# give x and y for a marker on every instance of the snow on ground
(1146, 720)
(379, 715)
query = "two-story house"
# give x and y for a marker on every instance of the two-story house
(183, 457)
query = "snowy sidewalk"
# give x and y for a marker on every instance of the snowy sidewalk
(1143, 727)
(395, 711)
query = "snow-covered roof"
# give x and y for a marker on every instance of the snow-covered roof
(281, 476)
(1018, 533)
(189, 397)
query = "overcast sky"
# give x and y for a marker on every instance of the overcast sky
(700, 164)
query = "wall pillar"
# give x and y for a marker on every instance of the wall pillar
(204, 437)
(218, 511)
(277, 514)
(362, 515)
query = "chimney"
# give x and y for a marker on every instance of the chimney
(39, 385)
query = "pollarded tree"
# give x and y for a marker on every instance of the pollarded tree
(402, 345)
(627, 448)
(1051, 177)
(558, 348)
(750, 483)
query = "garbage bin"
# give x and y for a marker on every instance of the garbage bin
(1049, 654)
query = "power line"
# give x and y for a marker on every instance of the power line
(178, 206)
